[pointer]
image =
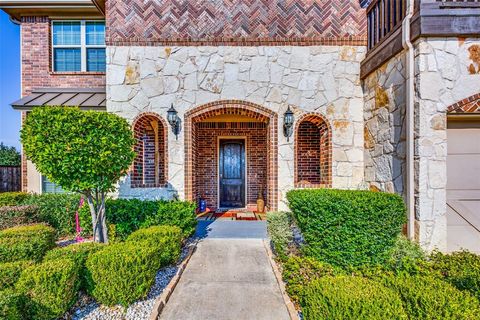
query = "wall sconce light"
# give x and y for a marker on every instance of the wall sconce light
(288, 123)
(173, 120)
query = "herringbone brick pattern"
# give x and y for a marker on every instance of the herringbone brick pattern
(150, 22)
(467, 105)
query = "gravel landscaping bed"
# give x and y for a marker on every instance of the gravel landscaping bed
(87, 309)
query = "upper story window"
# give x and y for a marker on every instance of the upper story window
(78, 46)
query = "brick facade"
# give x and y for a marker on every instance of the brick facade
(257, 22)
(313, 152)
(36, 68)
(37, 62)
(262, 159)
(149, 168)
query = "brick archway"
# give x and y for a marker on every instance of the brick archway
(469, 105)
(238, 109)
(150, 132)
(313, 137)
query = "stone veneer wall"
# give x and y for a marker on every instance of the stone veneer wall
(385, 126)
(322, 79)
(447, 70)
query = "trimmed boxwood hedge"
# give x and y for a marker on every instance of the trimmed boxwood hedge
(347, 297)
(10, 305)
(124, 272)
(26, 242)
(431, 298)
(461, 269)
(348, 227)
(10, 272)
(78, 253)
(299, 271)
(50, 288)
(166, 239)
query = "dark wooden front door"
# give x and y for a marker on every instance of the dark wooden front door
(232, 173)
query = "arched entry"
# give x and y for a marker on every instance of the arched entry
(313, 152)
(226, 141)
(150, 164)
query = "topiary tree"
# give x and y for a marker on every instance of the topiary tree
(9, 156)
(82, 151)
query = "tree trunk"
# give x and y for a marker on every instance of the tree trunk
(99, 224)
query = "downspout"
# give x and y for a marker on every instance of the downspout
(409, 119)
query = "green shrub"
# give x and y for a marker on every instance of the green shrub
(348, 227)
(166, 239)
(122, 273)
(26, 242)
(406, 256)
(279, 229)
(57, 210)
(299, 271)
(128, 215)
(78, 253)
(11, 216)
(346, 297)
(10, 305)
(50, 288)
(10, 272)
(12, 198)
(428, 297)
(174, 213)
(461, 269)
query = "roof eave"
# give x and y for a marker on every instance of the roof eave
(17, 9)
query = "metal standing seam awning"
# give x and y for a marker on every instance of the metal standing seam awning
(84, 98)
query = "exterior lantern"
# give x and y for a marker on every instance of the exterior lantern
(173, 120)
(288, 123)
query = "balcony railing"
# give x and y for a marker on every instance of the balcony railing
(384, 17)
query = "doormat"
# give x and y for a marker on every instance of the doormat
(233, 215)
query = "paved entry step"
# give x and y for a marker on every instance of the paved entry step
(231, 229)
(227, 279)
(235, 215)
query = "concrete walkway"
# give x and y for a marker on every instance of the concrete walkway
(227, 278)
(231, 229)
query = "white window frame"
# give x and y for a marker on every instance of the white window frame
(83, 45)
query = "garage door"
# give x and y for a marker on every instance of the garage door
(463, 186)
